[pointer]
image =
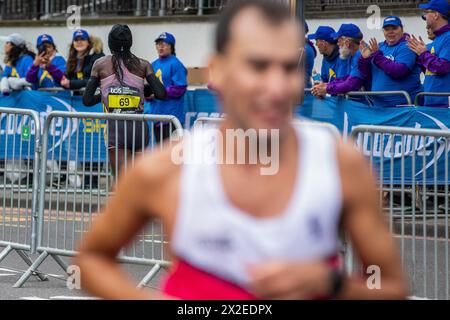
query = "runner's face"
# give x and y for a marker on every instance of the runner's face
(163, 49)
(258, 77)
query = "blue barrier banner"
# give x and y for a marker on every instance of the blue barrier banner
(198, 103)
(345, 114)
(60, 131)
(342, 113)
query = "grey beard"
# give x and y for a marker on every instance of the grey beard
(344, 52)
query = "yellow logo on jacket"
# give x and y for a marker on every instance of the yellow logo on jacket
(428, 72)
(158, 75)
(331, 74)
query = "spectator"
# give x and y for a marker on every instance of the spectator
(430, 34)
(84, 51)
(391, 64)
(349, 38)
(18, 59)
(173, 75)
(311, 54)
(435, 57)
(48, 67)
(331, 63)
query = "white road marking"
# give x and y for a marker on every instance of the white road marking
(32, 298)
(9, 270)
(73, 298)
(417, 298)
(420, 238)
(6, 274)
(154, 241)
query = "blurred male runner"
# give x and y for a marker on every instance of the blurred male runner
(235, 233)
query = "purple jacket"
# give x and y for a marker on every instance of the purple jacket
(174, 92)
(32, 74)
(431, 62)
(344, 85)
(395, 70)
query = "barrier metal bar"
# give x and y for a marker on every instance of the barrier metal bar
(68, 206)
(58, 89)
(431, 94)
(379, 93)
(202, 121)
(19, 214)
(417, 212)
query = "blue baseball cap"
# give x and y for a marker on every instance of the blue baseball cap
(166, 37)
(80, 33)
(323, 33)
(44, 38)
(441, 6)
(392, 21)
(348, 30)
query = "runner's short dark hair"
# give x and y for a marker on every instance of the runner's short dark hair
(273, 12)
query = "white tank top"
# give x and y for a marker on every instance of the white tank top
(214, 235)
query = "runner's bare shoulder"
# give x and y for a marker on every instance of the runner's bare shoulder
(357, 180)
(147, 66)
(101, 67)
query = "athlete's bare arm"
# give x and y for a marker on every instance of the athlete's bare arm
(154, 86)
(364, 223)
(89, 96)
(138, 198)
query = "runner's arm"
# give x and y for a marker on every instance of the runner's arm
(142, 194)
(370, 237)
(154, 85)
(89, 96)
(125, 215)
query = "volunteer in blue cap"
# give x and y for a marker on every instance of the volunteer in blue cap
(391, 64)
(48, 67)
(349, 38)
(311, 54)
(173, 75)
(84, 51)
(18, 59)
(327, 45)
(435, 57)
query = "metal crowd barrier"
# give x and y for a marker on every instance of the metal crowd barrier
(379, 93)
(19, 170)
(415, 200)
(431, 94)
(75, 182)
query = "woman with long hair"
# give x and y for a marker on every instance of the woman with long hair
(121, 77)
(84, 50)
(18, 59)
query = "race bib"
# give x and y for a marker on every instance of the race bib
(123, 99)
